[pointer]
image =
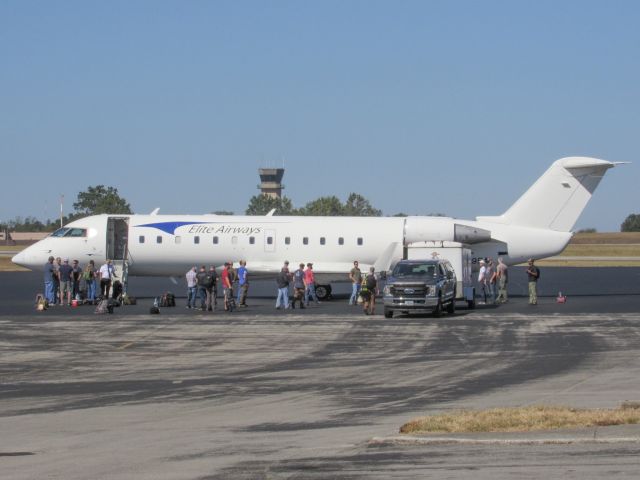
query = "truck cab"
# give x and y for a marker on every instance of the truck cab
(420, 286)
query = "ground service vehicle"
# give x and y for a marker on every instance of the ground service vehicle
(420, 286)
(461, 257)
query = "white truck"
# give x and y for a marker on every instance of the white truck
(460, 257)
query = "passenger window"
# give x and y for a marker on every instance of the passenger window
(196, 240)
(340, 241)
(269, 240)
(305, 240)
(287, 240)
(158, 239)
(215, 240)
(141, 239)
(322, 241)
(178, 239)
(360, 241)
(252, 240)
(234, 240)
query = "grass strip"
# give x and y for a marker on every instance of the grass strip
(522, 419)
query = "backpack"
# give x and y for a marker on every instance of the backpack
(370, 282)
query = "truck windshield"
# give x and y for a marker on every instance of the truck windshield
(414, 269)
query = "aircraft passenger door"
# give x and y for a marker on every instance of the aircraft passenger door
(269, 240)
(117, 237)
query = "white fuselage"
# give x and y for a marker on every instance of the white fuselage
(168, 245)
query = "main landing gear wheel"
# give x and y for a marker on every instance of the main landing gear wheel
(323, 292)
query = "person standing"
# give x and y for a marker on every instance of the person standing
(282, 280)
(212, 287)
(106, 274)
(371, 286)
(191, 287)
(490, 276)
(49, 273)
(89, 275)
(202, 280)
(310, 285)
(355, 275)
(76, 276)
(56, 280)
(298, 286)
(227, 284)
(534, 274)
(502, 272)
(482, 280)
(243, 283)
(65, 274)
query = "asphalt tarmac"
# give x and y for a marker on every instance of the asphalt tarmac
(313, 394)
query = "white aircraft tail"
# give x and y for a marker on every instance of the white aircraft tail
(558, 197)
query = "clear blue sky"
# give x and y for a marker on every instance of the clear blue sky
(422, 106)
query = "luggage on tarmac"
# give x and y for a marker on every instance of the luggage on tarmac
(103, 308)
(154, 310)
(128, 300)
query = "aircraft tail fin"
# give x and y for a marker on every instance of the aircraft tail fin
(558, 197)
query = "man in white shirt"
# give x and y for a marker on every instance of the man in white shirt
(483, 280)
(107, 273)
(191, 287)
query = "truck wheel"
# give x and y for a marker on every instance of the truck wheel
(451, 308)
(388, 313)
(323, 292)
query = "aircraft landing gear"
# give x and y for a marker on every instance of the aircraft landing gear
(323, 292)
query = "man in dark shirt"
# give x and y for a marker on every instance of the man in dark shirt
(298, 286)
(76, 274)
(283, 288)
(533, 274)
(202, 280)
(65, 281)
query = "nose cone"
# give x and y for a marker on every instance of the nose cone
(20, 259)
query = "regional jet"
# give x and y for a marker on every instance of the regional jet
(537, 225)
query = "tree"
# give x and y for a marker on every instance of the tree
(223, 212)
(101, 199)
(631, 223)
(263, 204)
(358, 206)
(324, 206)
(587, 230)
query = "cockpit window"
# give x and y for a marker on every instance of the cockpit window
(70, 232)
(76, 232)
(60, 232)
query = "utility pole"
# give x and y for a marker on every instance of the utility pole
(61, 215)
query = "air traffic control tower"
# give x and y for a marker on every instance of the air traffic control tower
(271, 181)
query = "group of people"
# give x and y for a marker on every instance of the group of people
(364, 286)
(203, 285)
(65, 282)
(302, 280)
(490, 276)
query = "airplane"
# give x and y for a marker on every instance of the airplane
(537, 225)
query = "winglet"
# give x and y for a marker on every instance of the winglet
(155, 211)
(271, 212)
